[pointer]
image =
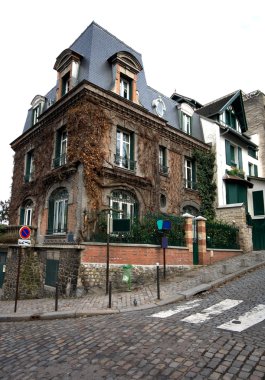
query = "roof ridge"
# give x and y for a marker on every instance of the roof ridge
(222, 97)
(93, 23)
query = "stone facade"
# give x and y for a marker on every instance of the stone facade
(32, 272)
(236, 215)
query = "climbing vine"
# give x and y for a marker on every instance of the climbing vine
(87, 125)
(205, 169)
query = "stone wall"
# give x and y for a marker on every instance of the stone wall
(94, 276)
(32, 272)
(236, 215)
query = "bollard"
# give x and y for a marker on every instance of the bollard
(110, 291)
(243, 263)
(158, 281)
(258, 257)
(56, 296)
(224, 269)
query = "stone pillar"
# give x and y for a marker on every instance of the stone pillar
(201, 224)
(189, 233)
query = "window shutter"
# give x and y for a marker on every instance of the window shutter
(58, 138)
(258, 202)
(240, 162)
(194, 184)
(255, 170)
(227, 152)
(22, 216)
(136, 211)
(132, 151)
(50, 216)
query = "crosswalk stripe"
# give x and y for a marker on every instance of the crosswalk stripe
(178, 309)
(216, 309)
(250, 318)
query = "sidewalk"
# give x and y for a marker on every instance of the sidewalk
(185, 285)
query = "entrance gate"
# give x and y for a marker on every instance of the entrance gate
(195, 242)
(258, 234)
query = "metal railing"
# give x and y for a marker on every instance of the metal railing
(124, 162)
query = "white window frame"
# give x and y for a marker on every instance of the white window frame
(60, 215)
(63, 148)
(186, 123)
(28, 216)
(125, 86)
(188, 174)
(123, 149)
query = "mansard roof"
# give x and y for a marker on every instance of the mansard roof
(97, 50)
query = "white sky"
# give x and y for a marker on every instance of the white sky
(203, 49)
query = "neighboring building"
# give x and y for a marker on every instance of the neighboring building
(103, 139)
(225, 127)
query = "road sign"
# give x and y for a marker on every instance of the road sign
(24, 232)
(24, 242)
(163, 225)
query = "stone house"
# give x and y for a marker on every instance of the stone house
(101, 140)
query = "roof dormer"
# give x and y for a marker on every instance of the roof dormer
(125, 68)
(67, 66)
(37, 104)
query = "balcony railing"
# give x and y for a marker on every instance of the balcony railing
(163, 169)
(124, 162)
(59, 161)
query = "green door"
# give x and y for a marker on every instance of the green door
(258, 234)
(2, 267)
(195, 243)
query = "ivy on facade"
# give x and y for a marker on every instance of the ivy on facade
(206, 186)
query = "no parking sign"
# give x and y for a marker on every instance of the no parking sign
(24, 232)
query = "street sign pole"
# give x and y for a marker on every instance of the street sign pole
(18, 275)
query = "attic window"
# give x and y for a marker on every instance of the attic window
(67, 66)
(37, 108)
(125, 68)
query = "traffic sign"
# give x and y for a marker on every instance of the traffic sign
(164, 225)
(24, 232)
(24, 242)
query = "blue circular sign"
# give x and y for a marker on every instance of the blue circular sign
(24, 232)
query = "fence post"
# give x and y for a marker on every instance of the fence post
(202, 239)
(189, 234)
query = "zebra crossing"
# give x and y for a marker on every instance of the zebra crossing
(238, 324)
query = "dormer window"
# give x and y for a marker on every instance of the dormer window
(66, 83)
(186, 113)
(37, 108)
(125, 68)
(67, 66)
(125, 87)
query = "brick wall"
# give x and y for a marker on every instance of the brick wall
(135, 254)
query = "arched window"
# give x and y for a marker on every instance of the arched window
(26, 213)
(57, 217)
(125, 203)
(190, 210)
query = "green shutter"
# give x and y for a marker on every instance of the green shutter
(50, 216)
(58, 138)
(227, 152)
(240, 162)
(22, 216)
(52, 267)
(194, 185)
(258, 202)
(132, 166)
(231, 196)
(255, 170)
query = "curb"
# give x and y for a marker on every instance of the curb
(182, 295)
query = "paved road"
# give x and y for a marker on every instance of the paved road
(145, 344)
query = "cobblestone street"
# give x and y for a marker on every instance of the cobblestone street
(138, 345)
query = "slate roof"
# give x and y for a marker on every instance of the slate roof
(235, 99)
(96, 45)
